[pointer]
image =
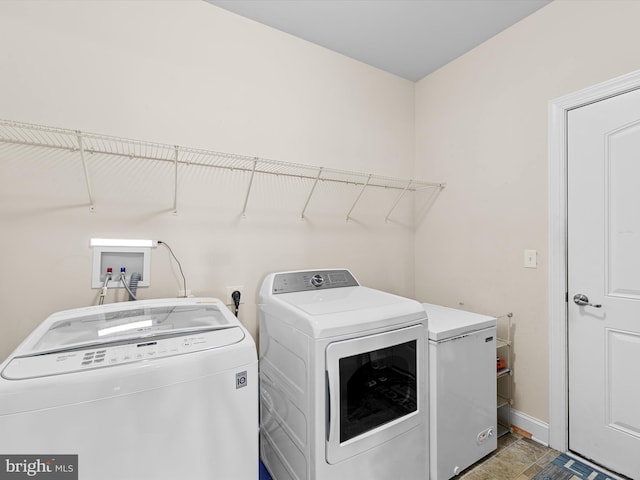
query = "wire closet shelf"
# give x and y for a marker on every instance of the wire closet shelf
(84, 143)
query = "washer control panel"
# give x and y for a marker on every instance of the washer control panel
(312, 280)
(57, 363)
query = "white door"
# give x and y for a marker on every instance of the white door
(604, 266)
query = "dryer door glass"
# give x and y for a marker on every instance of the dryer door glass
(376, 388)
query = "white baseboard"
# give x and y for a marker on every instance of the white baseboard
(538, 429)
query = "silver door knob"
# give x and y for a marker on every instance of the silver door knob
(582, 300)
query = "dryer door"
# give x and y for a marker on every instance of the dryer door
(375, 390)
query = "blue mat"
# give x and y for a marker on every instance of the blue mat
(564, 467)
(264, 474)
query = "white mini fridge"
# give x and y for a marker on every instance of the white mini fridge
(462, 389)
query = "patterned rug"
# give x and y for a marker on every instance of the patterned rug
(564, 467)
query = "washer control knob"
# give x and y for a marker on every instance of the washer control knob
(317, 280)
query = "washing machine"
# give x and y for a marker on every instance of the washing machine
(145, 390)
(462, 381)
(343, 379)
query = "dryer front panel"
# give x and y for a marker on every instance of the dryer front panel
(373, 390)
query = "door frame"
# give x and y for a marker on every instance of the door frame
(558, 289)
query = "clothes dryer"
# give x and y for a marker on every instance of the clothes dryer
(343, 379)
(145, 390)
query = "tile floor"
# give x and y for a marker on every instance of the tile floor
(517, 458)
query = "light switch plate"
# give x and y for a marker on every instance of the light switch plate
(530, 259)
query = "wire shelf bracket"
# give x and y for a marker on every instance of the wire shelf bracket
(358, 197)
(315, 183)
(87, 179)
(246, 197)
(175, 180)
(395, 204)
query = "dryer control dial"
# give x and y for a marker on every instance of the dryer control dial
(317, 280)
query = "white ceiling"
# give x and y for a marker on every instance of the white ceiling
(410, 38)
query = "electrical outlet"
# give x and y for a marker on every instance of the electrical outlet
(230, 290)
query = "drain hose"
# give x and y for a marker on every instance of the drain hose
(133, 285)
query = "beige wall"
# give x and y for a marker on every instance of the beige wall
(481, 126)
(191, 74)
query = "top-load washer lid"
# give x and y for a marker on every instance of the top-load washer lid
(123, 333)
(93, 326)
(445, 322)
